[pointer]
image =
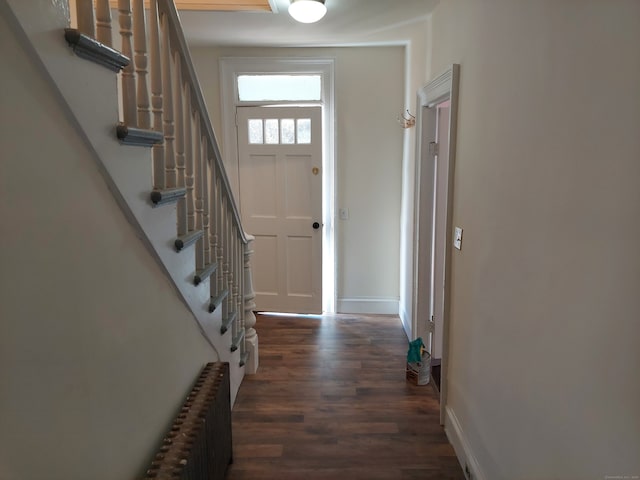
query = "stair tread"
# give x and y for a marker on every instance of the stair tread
(139, 137)
(227, 321)
(217, 300)
(90, 49)
(204, 273)
(167, 195)
(184, 241)
(237, 339)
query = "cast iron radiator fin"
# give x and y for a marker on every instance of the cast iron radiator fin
(198, 445)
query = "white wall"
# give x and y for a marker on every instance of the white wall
(369, 96)
(416, 62)
(545, 310)
(96, 348)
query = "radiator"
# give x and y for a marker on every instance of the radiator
(198, 445)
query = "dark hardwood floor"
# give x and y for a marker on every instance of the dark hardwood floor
(330, 401)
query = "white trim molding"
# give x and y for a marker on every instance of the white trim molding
(369, 305)
(441, 88)
(461, 445)
(230, 68)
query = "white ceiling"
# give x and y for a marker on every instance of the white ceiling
(347, 22)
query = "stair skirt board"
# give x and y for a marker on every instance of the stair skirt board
(94, 104)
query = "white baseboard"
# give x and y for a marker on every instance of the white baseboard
(460, 444)
(382, 306)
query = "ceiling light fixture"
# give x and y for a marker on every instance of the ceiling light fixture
(307, 11)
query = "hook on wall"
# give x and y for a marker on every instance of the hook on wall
(406, 122)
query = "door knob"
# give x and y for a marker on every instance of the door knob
(315, 225)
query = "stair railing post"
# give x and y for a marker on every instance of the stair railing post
(238, 266)
(235, 278)
(251, 336)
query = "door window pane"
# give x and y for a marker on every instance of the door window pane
(287, 130)
(255, 131)
(304, 130)
(271, 135)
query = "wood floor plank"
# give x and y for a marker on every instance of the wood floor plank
(330, 400)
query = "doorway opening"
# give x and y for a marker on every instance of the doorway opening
(435, 153)
(293, 79)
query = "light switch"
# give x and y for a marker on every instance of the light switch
(457, 238)
(343, 213)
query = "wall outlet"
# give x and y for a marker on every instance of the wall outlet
(343, 213)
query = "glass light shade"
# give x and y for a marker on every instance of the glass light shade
(307, 11)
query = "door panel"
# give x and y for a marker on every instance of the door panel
(280, 161)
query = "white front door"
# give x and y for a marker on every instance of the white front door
(280, 172)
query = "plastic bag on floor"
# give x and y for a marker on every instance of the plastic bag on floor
(418, 363)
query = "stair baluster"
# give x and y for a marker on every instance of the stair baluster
(189, 170)
(205, 203)
(86, 17)
(215, 289)
(179, 145)
(103, 22)
(140, 61)
(159, 180)
(167, 107)
(128, 78)
(197, 158)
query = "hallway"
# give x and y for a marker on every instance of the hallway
(330, 401)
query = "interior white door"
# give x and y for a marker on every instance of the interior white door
(280, 171)
(440, 224)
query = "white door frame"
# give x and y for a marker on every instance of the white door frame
(442, 88)
(230, 68)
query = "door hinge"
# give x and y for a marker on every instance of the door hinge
(431, 324)
(434, 148)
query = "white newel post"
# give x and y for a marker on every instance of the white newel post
(251, 337)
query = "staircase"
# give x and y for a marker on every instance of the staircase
(132, 90)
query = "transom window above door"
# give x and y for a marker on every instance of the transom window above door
(279, 88)
(284, 131)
